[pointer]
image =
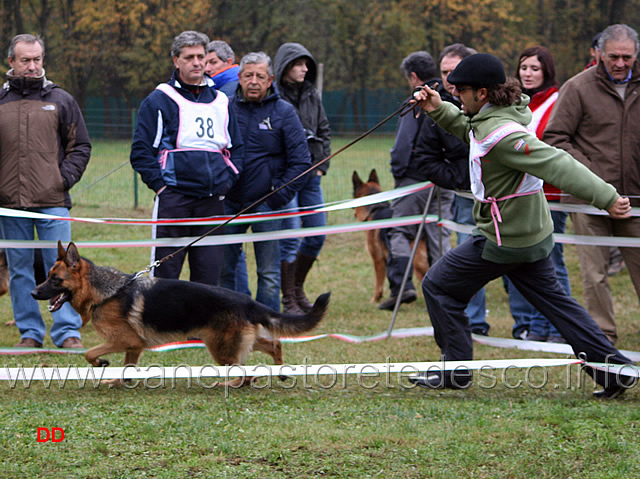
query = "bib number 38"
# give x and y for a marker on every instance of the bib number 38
(205, 127)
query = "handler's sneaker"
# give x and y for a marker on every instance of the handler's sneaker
(611, 392)
(442, 379)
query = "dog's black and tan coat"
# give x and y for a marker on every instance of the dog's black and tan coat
(134, 314)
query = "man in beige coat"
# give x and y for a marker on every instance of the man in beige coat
(597, 120)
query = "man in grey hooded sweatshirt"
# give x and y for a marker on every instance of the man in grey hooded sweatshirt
(296, 72)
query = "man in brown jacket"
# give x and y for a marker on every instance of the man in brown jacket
(44, 149)
(597, 120)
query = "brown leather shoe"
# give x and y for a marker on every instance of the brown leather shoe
(72, 343)
(28, 343)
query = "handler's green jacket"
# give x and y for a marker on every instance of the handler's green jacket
(526, 227)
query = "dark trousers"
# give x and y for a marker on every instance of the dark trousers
(458, 275)
(205, 262)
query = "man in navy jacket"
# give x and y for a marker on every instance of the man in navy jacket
(187, 148)
(276, 152)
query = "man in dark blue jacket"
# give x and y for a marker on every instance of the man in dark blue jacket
(419, 68)
(187, 148)
(276, 152)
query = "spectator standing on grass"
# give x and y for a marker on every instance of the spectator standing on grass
(537, 75)
(188, 150)
(295, 74)
(418, 68)
(221, 67)
(44, 150)
(514, 228)
(597, 120)
(616, 263)
(276, 153)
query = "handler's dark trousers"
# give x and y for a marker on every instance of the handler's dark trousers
(456, 277)
(205, 262)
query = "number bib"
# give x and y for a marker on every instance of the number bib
(202, 126)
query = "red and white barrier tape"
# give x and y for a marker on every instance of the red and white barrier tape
(298, 233)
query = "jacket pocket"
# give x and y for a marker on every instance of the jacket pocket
(47, 177)
(42, 128)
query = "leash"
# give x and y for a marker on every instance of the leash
(405, 108)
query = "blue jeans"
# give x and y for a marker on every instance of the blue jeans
(267, 257)
(26, 310)
(477, 307)
(309, 195)
(242, 276)
(521, 310)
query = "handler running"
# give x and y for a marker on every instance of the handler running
(514, 226)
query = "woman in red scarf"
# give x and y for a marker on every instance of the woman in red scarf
(537, 75)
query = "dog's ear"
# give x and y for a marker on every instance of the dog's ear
(73, 257)
(357, 182)
(61, 252)
(373, 177)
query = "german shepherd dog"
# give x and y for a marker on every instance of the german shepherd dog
(132, 314)
(376, 245)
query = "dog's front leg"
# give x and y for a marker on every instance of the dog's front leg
(93, 355)
(130, 359)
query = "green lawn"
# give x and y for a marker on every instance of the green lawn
(364, 427)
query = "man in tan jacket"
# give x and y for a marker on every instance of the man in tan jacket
(597, 120)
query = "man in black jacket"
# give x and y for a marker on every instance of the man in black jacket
(419, 68)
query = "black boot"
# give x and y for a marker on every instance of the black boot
(303, 265)
(395, 272)
(287, 277)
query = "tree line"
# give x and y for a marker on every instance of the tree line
(120, 48)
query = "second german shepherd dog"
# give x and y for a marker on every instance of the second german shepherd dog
(376, 245)
(134, 314)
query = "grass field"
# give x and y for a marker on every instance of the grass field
(516, 424)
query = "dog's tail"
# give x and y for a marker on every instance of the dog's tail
(284, 324)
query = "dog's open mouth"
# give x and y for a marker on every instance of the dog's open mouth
(57, 301)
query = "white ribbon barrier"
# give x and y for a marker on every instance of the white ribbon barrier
(349, 338)
(157, 372)
(302, 232)
(298, 233)
(261, 370)
(228, 238)
(245, 218)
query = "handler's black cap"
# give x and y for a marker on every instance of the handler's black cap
(479, 70)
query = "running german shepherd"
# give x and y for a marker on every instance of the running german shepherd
(134, 314)
(376, 245)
